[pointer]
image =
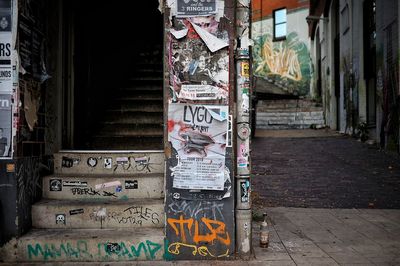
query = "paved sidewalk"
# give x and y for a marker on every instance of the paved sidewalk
(302, 236)
(322, 169)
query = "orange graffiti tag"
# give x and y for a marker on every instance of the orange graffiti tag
(217, 230)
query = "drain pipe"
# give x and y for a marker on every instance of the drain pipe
(243, 204)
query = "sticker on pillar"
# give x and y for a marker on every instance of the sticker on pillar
(229, 132)
(131, 184)
(107, 163)
(243, 155)
(245, 69)
(55, 185)
(195, 8)
(245, 105)
(92, 162)
(10, 168)
(118, 189)
(60, 219)
(243, 131)
(122, 161)
(244, 190)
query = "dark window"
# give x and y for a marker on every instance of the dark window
(280, 24)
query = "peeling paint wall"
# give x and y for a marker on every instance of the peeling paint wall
(282, 67)
(199, 99)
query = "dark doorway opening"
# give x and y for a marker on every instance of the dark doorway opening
(116, 69)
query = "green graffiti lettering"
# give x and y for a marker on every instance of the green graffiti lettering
(37, 251)
(124, 251)
(136, 252)
(153, 248)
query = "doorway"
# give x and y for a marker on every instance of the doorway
(115, 67)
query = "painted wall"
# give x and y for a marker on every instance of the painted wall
(286, 65)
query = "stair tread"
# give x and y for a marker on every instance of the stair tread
(85, 203)
(78, 233)
(99, 176)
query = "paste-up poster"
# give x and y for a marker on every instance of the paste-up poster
(5, 125)
(191, 8)
(6, 82)
(199, 61)
(198, 134)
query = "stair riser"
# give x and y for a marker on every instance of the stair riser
(101, 215)
(100, 249)
(131, 187)
(121, 163)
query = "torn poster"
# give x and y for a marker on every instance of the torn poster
(198, 134)
(194, 8)
(6, 81)
(213, 43)
(192, 63)
(5, 125)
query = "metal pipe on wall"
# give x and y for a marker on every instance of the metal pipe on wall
(243, 181)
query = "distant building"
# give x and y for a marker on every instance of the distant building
(281, 51)
(355, 50)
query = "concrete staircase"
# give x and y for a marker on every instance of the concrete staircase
(97, 207)
(289, 114)
(134, 117)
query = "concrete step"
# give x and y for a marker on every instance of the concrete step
(98, 214)
(127, 142)
(133, 118)
(136, 106)
(86, 245)
(124, 162)
(131, 130)
(83, 187)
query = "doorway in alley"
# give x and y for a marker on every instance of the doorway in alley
(113, 54)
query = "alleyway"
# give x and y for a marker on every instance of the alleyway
(322, 169)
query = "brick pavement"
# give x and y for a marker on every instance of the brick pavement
(322, 169)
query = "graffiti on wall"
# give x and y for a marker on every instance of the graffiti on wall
(286, 63)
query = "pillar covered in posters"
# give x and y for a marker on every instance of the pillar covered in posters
(199, 109)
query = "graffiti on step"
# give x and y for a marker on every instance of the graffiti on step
(80, 250)
(142, 164)
(205, 236)
(91, 192)
(134, 215)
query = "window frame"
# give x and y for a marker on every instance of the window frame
(282, 38)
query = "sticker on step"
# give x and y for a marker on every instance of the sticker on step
(108, 184)
(76, 211)
(122, 160)
(113, 248)
(92, 162)
(60, 219)
(107, 163)
(68, 162)
(55, 185)
(131, 184)
(75, 184)
(118, 189)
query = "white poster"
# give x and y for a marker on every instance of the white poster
(6, 82)
(198, 134)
